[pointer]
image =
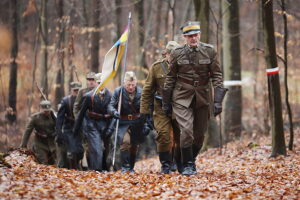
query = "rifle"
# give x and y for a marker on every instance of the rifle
(45, 98)
(42, 93)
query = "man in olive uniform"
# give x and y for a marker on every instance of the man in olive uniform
(94, 111)
(186, 90)
(69, 149)
(163, 124)
(91, 84)
(43, 126)
(132, 127)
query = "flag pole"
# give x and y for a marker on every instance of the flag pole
(120, 97)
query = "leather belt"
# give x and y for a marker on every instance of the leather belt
(130, 117)
(193, 83)
(43, 135)
(94, 115)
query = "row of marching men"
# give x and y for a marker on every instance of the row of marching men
(177, 87)
(84, 127)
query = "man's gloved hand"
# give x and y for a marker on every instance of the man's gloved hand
(60, 139)
(146, 129)
(167, 108)
(116, 114)
(143, 117)
(219, 96)
(217, 108)
(109, 131)
(111, 128)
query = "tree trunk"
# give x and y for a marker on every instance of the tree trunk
(202, 15)
(71, 38)
(59, 89)
(232, 69)
(139, 9)
(12, 94)
(44, 45)
(119, 27)
(289, 110)
(95, 36)
(278, 140)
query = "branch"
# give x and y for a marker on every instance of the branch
(263, 51)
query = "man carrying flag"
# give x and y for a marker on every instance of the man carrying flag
(132, 129)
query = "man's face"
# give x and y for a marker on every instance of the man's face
(192, 40)
(46, 112)
(75, 92)
(91, 82)
(130, 86)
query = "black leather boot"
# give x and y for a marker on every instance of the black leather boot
(165, 160)
(132, 161)
(177, 157)
(125, 160)
(187, 161)
(196, 151)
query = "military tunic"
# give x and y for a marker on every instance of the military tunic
(152, 91)
(79, 99)
(186, 87)
(43, 142)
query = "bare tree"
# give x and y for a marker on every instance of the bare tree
(139, 10)
(232, 69)
(60, 80)
(278, 140)
(12, 94)
(44, 46)
(95, 35)
(289, 110)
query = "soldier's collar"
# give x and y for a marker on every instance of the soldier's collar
(193, 48)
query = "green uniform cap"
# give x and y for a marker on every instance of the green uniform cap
(171, 46)
(45, 105)
(190, 28)
(91, 75)
(98, 77)
(130, 76)
(75, 85)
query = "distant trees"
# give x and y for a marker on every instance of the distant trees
(278, 141)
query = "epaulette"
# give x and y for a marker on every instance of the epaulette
(36, 114)
(158, 61)
(207, 45)
(179, 48)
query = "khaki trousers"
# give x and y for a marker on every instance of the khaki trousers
(192, 123)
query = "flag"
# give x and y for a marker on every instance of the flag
(112, 60)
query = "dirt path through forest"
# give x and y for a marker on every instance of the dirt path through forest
(242, 172)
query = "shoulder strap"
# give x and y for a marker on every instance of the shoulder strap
(163, 67)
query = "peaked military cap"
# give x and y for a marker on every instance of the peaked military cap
(130, 76)
(171, 46)
(45, 105)
(98, 77)
(190, 27)
(91, 75)
(75, 85)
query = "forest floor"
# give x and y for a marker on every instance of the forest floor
(243, 171)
